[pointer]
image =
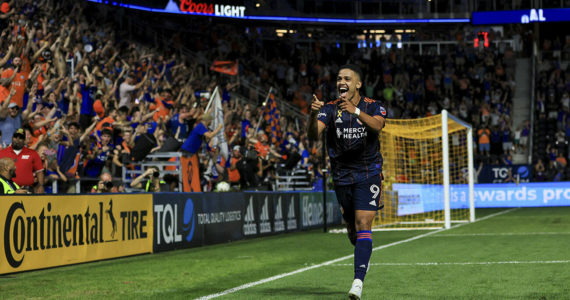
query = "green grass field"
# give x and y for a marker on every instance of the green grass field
(514, 254)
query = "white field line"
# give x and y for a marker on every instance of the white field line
(343, 230)
(500, 234)
(331, 262)
(515, 262)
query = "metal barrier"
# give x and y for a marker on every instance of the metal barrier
(152, 160)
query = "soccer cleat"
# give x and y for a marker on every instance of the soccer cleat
(356, 290)
(351, 231)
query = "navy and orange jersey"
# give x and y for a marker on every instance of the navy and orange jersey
(353, 148)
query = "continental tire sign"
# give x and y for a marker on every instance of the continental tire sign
(47, 231)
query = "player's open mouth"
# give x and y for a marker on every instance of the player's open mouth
(342, 91)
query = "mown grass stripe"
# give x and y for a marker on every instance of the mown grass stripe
(330, 262)
(514, 262)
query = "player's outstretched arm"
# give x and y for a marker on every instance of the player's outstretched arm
(315, 127)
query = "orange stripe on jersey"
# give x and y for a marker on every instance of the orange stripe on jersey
(366, 99)
(335, 101)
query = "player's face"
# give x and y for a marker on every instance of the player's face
(347, 83)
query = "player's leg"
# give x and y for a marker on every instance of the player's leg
(344, 197)
(367, 202)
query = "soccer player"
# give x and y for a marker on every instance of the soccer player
(353, 124)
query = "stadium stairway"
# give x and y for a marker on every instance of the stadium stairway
(521, 103)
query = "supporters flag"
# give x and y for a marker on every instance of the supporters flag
(215, 108)
(271, 117)
(225, 67)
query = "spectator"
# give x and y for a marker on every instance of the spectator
(233, 172)
(8, 171)
(561, 160)
(149, 181)
(17, 76)
(524, 134)
(126, 88)
(539, 171)
(495, 141)
(29, 167)
(104, 185)
(10, 120)
(100, 153)
(484, 141)
(194, 141)
(507, 144)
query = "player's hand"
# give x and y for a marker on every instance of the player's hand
(316, 105)
(347, 106)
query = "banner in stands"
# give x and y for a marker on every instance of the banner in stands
(521, 16)
(269, 213)
(415, 198)
(504, 174)
(420, 198)
(221, 217)
(312, 210)
(190, 173)
(48, 231)
(534, 194)
(184, 220)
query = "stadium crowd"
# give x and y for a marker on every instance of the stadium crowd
(91, 98)
(552, 115)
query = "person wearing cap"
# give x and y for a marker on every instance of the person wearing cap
(29, 165)
(190, 148)
(8, 171)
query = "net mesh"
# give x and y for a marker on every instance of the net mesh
(413, 173)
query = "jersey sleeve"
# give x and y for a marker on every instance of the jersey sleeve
(325, 114)
(379, 110)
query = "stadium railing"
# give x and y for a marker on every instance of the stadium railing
(159, 160)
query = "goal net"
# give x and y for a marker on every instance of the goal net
(428, 173)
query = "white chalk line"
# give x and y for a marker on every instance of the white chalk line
(330, 262)
(514, 262)
(499, 234)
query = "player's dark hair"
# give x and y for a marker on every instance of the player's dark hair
(354, 68)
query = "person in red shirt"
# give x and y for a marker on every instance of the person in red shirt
(28, 163)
